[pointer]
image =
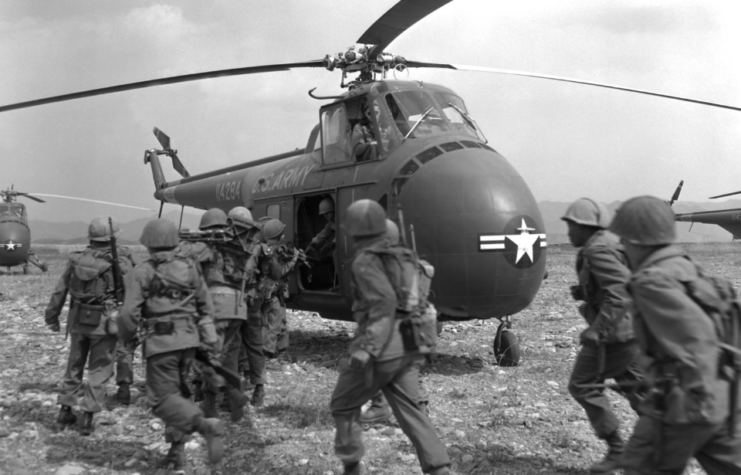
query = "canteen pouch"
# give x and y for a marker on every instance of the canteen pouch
(89, 314)
(419, 330)
(164, 328)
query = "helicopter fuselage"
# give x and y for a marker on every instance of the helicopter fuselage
(460, 203)
(15, 236)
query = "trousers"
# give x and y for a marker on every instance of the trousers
(710, 444)
(250, 352)
(97, 353)
(399, 381)
(620, 364)
(227, 331)
(275, 327)
(168, 394)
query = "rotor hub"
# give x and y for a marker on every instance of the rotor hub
(359, 61)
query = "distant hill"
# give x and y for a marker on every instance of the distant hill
(43, 232)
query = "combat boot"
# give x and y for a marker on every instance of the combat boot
(237, 401)
(377, 412)
(175, 458)
(209, 404)
(86, 426)
(352, 469)
(65, 417)
(258, 396)
(212, 429)
(609, 464)
(123, 396)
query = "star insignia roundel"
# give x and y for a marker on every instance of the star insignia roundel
(521, 242)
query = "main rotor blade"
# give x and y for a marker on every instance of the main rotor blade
(164, 81)
(93, 201)
(458, 67)
(31, 197)
(727, 194)
(396, 21)
(675, 196)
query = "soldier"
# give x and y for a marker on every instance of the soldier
(379, 409)
(608, 344)
(686, 412)
(377, 358)
(168, 296)
(91, 322)
(223, 268)
(275, 326)
(323, 243)
(125, 370)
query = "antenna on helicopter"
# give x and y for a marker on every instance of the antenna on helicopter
(675, 196)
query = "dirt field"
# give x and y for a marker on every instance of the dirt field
(494, 420)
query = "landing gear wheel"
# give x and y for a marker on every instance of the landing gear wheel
(506, 345)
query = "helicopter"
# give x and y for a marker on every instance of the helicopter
(728, 219)
(15, 234)
(458, 201)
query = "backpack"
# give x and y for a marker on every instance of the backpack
(175, 276)
(91, 284)
(411, 279)
(718, 299)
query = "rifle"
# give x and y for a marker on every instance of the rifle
(212, 236)
(232, 378)
(117, 285)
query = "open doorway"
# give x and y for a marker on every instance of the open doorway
(316, 233)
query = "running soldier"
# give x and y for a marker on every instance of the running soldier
(222, 267)
(379, 357)
(168, 296)
(91, 321)
(688, 410)
(608, 344)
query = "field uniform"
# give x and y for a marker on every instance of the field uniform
(275, 325)
(602, 270)
(390, 368)
(88, 278)
(168, 297)
(681, 350)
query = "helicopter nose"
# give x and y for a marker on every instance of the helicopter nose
(14, 242)
(472, 216)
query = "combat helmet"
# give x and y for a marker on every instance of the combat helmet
(213, 218)
(646, 221)
(272, 229)
(99, 229)
(392, 232)
(588, 212)
(326, 206)
(365, 218)
(240, 216)
(160, 233)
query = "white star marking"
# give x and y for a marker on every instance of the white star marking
(10, 246)
(524, 241)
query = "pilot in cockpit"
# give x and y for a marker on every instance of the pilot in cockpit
(364, 144)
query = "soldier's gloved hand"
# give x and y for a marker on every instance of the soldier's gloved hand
(589, 337)
(54, 327)
(359, 359)
(576, 292)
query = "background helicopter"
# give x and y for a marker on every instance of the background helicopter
(201, 191)
(728, 219)
(15, 234)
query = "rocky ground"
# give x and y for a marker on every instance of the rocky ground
(493, 420)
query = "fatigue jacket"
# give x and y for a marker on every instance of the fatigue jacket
(374, 306)
(224, 271)
(678, 341)
(326, 237)
(603, 274)
(190, 313)
(127, 261)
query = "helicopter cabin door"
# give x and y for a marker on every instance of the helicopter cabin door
(316, 231)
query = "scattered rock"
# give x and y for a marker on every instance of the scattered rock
(468, 458)
(70, 469)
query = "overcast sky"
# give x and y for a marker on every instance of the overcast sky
(566, 140)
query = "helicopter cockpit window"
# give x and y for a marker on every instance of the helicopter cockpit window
(415, 112)
(12, 210)
(455, 112)
(335, 135)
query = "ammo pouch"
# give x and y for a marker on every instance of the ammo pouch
(164, 328)
(418, 329)
(89, 314)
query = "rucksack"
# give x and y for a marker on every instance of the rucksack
(175, 276)
(411, 279)
(718, 299)
(91, 282)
